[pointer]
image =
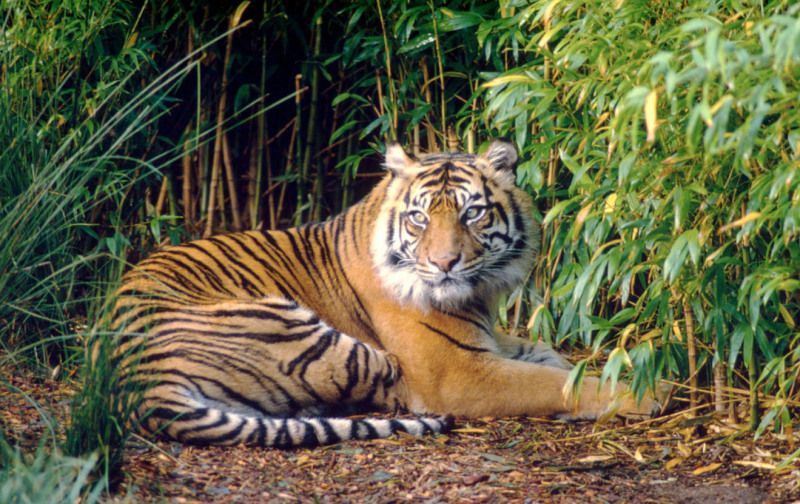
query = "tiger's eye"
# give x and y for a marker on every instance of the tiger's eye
(418, 218)
(474, 213)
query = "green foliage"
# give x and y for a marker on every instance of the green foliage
(46, 477)
(68, 114)
(103, 410)
(72, 120)
(666, 141)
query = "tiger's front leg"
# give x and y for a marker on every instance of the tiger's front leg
(464, 372)
(491, 385)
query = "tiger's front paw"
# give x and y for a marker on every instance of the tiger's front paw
(605, 405)
(625, 403)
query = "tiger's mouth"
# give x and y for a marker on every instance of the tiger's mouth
(449, 281)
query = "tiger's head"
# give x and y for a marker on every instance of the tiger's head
(453, 227)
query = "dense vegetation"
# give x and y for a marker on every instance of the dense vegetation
(661, 140)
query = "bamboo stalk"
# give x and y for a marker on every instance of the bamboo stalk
(691, 352)
(268, 168)
(221, 203)
(173, 210)
(316, 206)
(257, 167)
(249, 213)
(379, 85)
(186, 162)
(752, 379)
(200, 204)
(430, 134)
(301, 186)
(719, 385)
(290, 159)
(452, 139)
(162, 196)
(472, 125)
(327, 152)
(551, 175)
(228, 163)
(216, 161)
(390, 83)
(439, 58)
(186, 182)
(148, 199)
(346, 179)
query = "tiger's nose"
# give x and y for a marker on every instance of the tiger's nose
(446, 262)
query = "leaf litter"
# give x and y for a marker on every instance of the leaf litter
(676, 458)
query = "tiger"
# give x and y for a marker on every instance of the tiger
(280, 337)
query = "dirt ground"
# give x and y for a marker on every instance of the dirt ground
(676, 458)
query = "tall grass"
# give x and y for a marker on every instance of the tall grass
(46, 477)
(64, 126)
(79, 107)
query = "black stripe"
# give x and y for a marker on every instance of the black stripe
(288, 264)
(227, 436)
(228, 391)
(480, 324)
(330, 432)
(209, 276)
(262, 337)
(241, 268)
(213, 258)
(453, 340)
(171, 414)
(359, 311)
(302, 260)
(280, 282)
(354, 430)
(223, 419)
(518, 222)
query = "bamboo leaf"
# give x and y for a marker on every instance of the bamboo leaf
(237, 15)
(613, 368)
(458, 20)
(751, 216)
(557, 210)
(650, 115)
(505, 79)
(675, 259)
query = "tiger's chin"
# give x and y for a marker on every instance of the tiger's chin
(409, 288)
(450, 293)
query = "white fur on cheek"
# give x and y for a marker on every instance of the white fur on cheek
(401, 282)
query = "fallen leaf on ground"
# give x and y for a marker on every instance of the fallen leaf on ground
(706, 469)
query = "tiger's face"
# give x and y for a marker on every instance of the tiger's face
(453, 227)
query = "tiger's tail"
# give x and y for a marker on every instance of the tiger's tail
(213, 426)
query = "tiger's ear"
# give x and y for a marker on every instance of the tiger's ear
(501, 155)
(398, 162)
(502, 158)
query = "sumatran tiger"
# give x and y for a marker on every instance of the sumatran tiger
(263, 337)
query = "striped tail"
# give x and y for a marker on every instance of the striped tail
(210, 426)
